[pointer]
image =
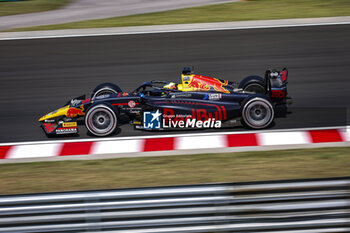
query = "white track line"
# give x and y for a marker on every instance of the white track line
(254, 24)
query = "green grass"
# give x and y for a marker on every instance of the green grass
(173, 170)
(30, 6)
(244, 10)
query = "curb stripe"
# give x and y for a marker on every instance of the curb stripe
(75, 148)
(158, 144)
(331, 135)
(200, 142)
(346, 134)
(34, 151)
(3, 151)
(236, 140)
(177, 142)
(116, 147)
(283, 138)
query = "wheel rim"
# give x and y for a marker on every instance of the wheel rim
(258, 114)
(101, 121)
(254, 88)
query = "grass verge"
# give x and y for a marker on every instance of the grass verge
(173, 170)
(22, 7)
(237, 11)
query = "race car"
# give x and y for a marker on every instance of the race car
(197, 102)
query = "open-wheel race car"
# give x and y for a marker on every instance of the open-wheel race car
(197, 102)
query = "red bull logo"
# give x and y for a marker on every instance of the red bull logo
(198, 84)
(74, 112)
(49, 127)
(203, 83)
(200, 118)
(198, 114)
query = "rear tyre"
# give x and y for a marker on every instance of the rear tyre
(101, 120)
(257, 112)
(253, 84)
(105, 89)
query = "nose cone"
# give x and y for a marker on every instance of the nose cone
(59, 112)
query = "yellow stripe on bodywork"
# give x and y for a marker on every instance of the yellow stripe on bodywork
(56, 113)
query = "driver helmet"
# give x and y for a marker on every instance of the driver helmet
(171, 85)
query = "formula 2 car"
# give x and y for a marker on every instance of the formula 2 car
(197, 102)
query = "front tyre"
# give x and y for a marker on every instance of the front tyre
(257, 112)
(101, 120)
(105, 89)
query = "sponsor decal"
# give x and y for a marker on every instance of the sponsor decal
(192, 123)
(74, 112)
(200, 118)
(199, 82)
(151, 120)
(69, 124)
(131, 104)
(181, 95)
(66, 130)
(75, 102)
(136, 111)
(49, 127)
(186, 78)
(49, 120)
(199, 114)
(122, 94)
(214, 96)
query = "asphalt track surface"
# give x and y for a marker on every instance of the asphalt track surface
(40, 75)
(80, 10)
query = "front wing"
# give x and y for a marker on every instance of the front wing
(60, 128)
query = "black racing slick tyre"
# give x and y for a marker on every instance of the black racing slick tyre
(101, 120)
(253, 84)
(105, 89)
(257, 112)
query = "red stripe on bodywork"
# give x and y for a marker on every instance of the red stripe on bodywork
(224, 109)
(236, 140)
(220, 113)
(3, 151)
(76, 148)
(125, 104)
(158, 144)
(329, 135)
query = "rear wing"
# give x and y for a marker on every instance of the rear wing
(275, 83)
